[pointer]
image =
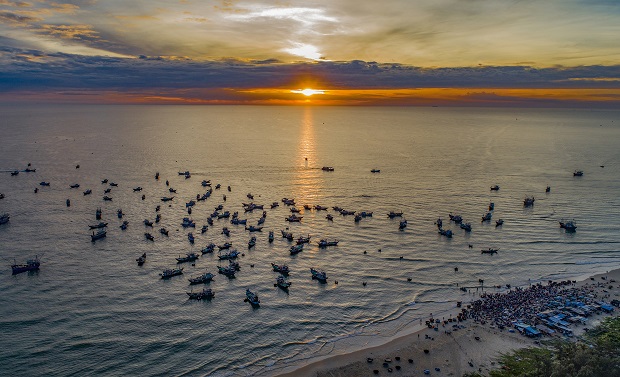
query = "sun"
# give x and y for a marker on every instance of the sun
(308, 92)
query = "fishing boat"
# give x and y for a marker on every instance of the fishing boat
(166, 198)
(14, 173)
(548, 189)
(261, 221)
(302, 240)
(375, 170)
(206, 294)
(137, 189)
(87, 192)
(30, 265)
(329, 217)
(208, 249)
(466, 227)
(237, 221)
(163, 231)
(2, 196)
(68, 203)
(393, 214)
(172, 190)
(107, 198)
(344, 212)
(147, 222)
(98, 214)
(187, 222)
(296, 249)
(107, 191)
(320, 208)
(358, 218)
(568, 226)
(491, 206)
(98, 226)
(252, 242)
(365, 214)
(189, 257)
(252, 298)
(446, 233)
(318, 275)
(75, 185)
(287, 235)
(489, 251)
(189, 204)
(4, 218)
(124, 225)
(190, 237)
(288, 202)
(149, 236)
(327, 168)
(205, 183)
(103, 182)
(99, 235)
(528, 201)
(307, 207)
(224, 215)
(282, 268)
(274, 205)
(44, 183)
(226, 232)
(202, 279)
(295, 210)
(499, 222)
(253, 228)
(487, 217)
(293, 218)
(495, 188)
(170, 272)
(578, 173)
(230, 255)
(325, 243)
(270, 238)
(282, 283)
(225, 246)
(456, 218)
(119, 213)
(227, 271)
(402, 225)
(113, 184)
(141, 259)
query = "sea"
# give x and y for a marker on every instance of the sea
(91, 310)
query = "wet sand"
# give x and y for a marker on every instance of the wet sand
(454, 351)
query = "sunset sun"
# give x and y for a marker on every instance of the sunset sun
(308, 92)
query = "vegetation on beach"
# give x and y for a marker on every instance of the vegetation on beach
(596, 354)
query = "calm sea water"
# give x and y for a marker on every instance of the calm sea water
(92, 310)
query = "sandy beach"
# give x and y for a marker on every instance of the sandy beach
(453, 349)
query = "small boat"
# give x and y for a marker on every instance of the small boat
(190, 237)
(99, 235)
(296, 249)
(302, 240)
(170, 272)
(274, 205)
(358, 218)
(68, 203)
(320, 208)
(157, 175)
(228, 271)
(495, 188)
(499, 222)
(202, 279)
(344, 212)
(252, 298)
(548, 189)
(402, 225)
(456, 218)
(252, 242)
(44, 183)
(191, 203)
(318, 275)
(217, 187)
(172, 190)
(270, 236)
(2, 196)
(329, 217)
(30, 170)
(293, 218)
(98, 226)
(107, 198)
(487, 217)
(489, 251)
(187, 222)
(98, 214)
(204, 229)
(447, 233)
(230, 255)
(578, 173)
(226, 232)
(287, 235)
(528, 201)
(149, 236)
(208, 249)
(141, 259)
(107, 191)
(163, 231)
(119, 213)
(393, 214)
(327, 168)
(282, 283)
(225, 246)
(158, 218)
(250, 196)
(261, 221)
(75, 185)
(375, 170)
(224, 215)
(282, 268)
(103, 182)
(124, 225)
(569, 226)
(205, 183)
(30, 265)
(365, 214)
(88, 192)
(491, 206)
(113, 184)
(466, 227)
(288, 202)
(237, 221)
(147, 222)
(137, 189)
(325, 243)
(14, 173)
(189, 257)
(439, 223)
(307, 207)
(166, 198)
(206, 294)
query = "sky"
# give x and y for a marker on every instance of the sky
(544, 53)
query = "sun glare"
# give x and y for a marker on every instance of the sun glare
(308, 92)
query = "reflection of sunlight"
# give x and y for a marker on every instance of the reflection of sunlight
(307, 176)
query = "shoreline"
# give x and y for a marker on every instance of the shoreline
(471, 347)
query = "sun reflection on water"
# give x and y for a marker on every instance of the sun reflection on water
(307, 179)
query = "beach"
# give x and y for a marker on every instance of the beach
(453, 350)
